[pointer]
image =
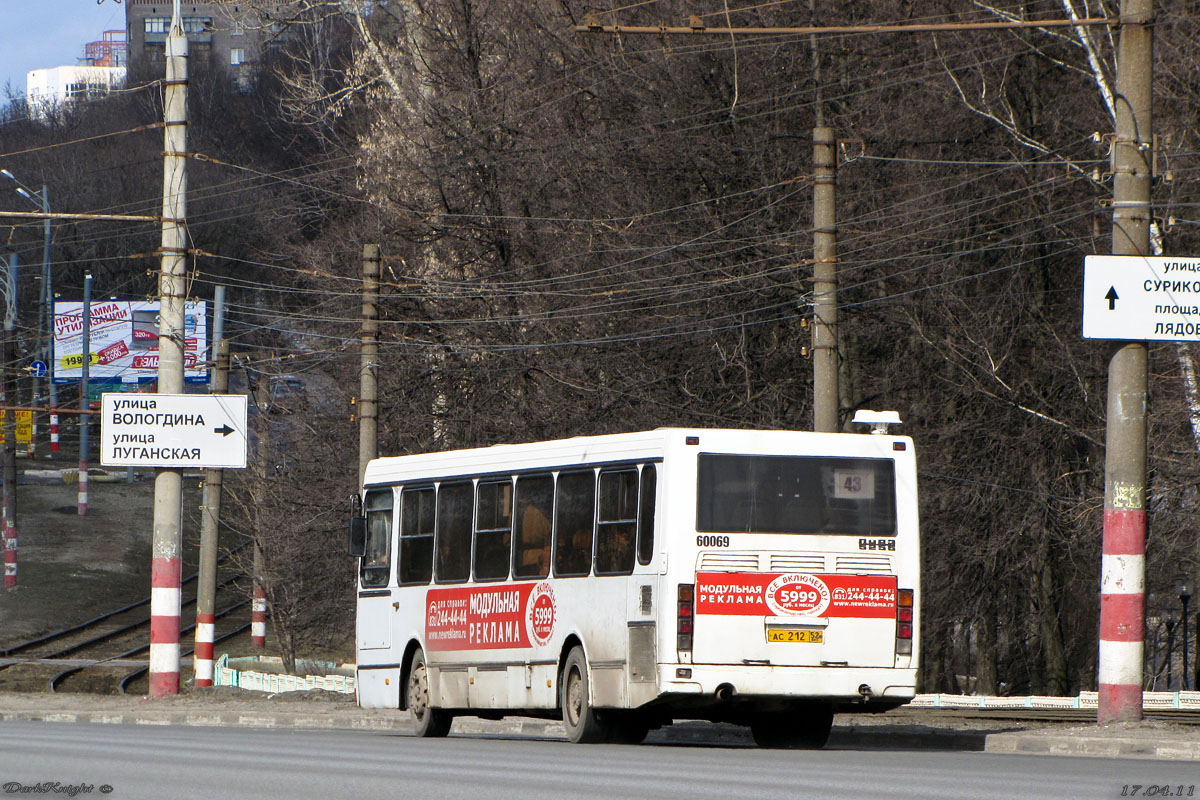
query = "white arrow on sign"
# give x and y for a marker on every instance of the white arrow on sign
(173, 430)
(1141, 298)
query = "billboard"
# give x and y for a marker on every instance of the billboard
(24, 426)
(124, 341)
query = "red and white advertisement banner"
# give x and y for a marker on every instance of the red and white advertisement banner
(796, 594)
(489, 617)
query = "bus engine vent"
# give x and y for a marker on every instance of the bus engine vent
(643, 655)
(871, 565)
(729, 562)
(797, 562)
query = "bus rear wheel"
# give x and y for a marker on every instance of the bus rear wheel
(627, 727)
(805, 728)
(582, 723)
(430, 721)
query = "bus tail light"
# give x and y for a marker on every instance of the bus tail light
(904, 622)
(686, 616)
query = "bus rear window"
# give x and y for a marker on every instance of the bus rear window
(796, 494)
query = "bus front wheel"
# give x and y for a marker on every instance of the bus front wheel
(581, 721)
(430, 721)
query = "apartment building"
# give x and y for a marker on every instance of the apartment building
(228, 34)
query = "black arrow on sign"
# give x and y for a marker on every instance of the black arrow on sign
(224, 430)
(1111, 297)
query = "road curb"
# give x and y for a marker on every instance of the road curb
(1035, 743)
(882, 736)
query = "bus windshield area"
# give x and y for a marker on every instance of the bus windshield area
(796, 495)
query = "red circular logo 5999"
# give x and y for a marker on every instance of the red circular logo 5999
(796, 594)
(540, 613)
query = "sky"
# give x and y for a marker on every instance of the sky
(35, 34)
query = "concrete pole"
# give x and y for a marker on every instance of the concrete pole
(368, 423)
(9, 500)
(258, 593)
(209, 533)
(1123, 568)
(210, 518)
(166, 542)
(48, 349)
(44, 324)
(824, 337)
(84, 407)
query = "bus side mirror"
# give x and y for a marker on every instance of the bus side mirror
(357, 544)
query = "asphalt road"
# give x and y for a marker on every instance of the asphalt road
(161, 763)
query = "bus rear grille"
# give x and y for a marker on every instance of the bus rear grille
(728, 562)
(877, 565)
(796, 562)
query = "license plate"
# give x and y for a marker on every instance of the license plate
(801, 635)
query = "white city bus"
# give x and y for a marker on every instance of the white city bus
(765, 578)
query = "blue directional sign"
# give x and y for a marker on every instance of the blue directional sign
(39, 369)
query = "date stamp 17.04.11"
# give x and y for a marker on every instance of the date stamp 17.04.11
(1158, 790)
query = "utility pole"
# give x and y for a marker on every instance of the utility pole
(47, 346)
(45, 324)
(9, 500)
(825, 336)
(84, 408)
(368, 424)
(258, 592)
(1123, 568)
(168, 482)
(45, 320)
(206, 580)
(45, 312)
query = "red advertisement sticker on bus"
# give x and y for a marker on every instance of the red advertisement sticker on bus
(489, 617)
(541, 613)
(796, 594)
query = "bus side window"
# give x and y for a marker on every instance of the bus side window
(645, 542)
(616, 525)
(534, 506)
(454, 531)
(416, 536)
(376, 561)
(493, 530)
(574, 518)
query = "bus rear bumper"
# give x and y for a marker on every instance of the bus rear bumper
(847, 688)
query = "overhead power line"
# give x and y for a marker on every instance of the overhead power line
(698, 28)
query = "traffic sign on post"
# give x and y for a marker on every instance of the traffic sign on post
(1141, 298)
(173, 430)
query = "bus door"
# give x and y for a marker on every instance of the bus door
(374, 620)
(779, 581)
(625, 547)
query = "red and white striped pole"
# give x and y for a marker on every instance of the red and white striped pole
(164, 626)
(1123, 564)
(54, 431)
(82, 496)
(1122, 614)
(10, 554)
(258, 603)
(84, 403)
(203, 654)
(258, 617)
(167, 536)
